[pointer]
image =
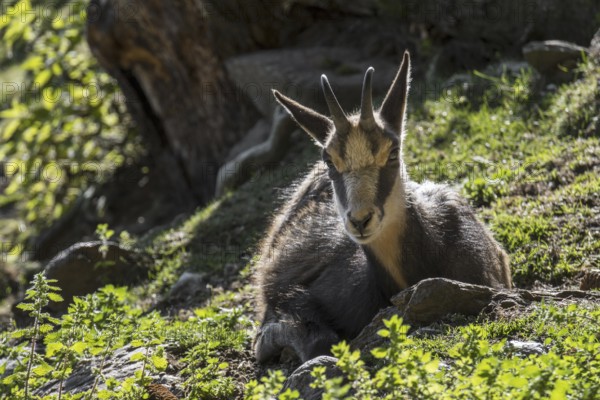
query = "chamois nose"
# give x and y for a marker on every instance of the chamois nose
(360, 223)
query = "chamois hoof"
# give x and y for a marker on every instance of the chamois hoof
(267, 345)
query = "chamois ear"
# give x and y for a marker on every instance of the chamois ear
(393, 108)
(316, 125)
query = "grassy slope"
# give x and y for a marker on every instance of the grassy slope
(530, 166)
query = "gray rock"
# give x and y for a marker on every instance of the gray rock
(301, 378)
(554, 59)
(368, 338)
(85, 267)
(525, 348)
(271, 151)
(189, 285)
(357, 7)
(296, 72)
(255, 136)
(10, 365)
(119, 366)
(499, 25)
(434, 298)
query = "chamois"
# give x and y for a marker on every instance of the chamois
(357, 230)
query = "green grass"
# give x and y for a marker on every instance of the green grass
(530, 163)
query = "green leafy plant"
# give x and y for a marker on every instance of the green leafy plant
(64, 126)
(149, 335)
(270, 386)
(37, 298)
(104, 234)
(68, 344)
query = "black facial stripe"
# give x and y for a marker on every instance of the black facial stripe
(339, 142)
(392, 136)
(340, 189)
(385, 183)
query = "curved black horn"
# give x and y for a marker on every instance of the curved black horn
(367, 116)
(337, 114)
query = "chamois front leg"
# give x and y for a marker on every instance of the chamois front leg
(307, 339)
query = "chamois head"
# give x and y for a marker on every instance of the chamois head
(362, 152)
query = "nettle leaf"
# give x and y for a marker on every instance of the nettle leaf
(55, 297)
(45, 328)
(136, 357)
(160, 363)
(26, 306)
(79, 347)
(17, 111)
(561, 387)
(33, 63)
(19, 334)
(50, 98)
(30, 133)
(379, 352)
(10, 379)
(224, 365)
(96, 350)
(43, 78)
(431, 366)
(43, 369)
(383, 333)
(53, 348)
(105, 394)
(10, 128)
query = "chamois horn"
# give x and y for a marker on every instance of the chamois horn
(367, 116)
(337, 113)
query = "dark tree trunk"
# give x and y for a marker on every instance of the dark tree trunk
(165, 58)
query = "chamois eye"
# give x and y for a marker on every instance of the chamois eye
(327, 160)
(394, 155)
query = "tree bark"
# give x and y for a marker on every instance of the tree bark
(163, 57)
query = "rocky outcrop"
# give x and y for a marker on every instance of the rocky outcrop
(268, 153)
(189, 287)
(119, 367)
(499, 25)
(554, 59)
(296, 73)
(301, 378)
(85, 267)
